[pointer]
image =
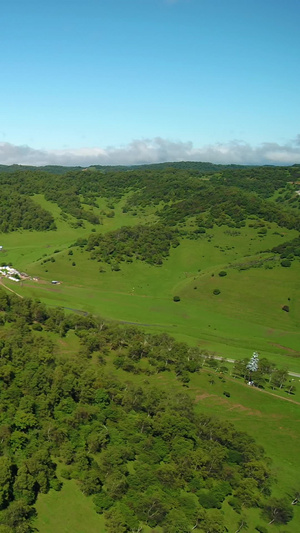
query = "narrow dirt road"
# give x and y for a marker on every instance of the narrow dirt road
(11, 290)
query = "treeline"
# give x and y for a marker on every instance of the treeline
(57, 169)
(145, 243)
(266, 375)
(18, 211)
(146, 456)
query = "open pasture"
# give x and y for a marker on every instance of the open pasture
(247, 314)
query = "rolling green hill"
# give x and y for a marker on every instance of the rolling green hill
(207, 255)
(246, 315)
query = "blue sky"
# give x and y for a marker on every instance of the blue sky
(131, 81)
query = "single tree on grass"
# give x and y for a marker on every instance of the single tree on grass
(279, 510)
(279, 378)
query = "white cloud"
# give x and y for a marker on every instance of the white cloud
(154, 151)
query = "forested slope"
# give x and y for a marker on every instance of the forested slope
(145, 455)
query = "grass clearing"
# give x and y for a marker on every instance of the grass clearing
(67, 511)
(247, 314)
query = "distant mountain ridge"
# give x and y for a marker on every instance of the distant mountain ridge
(181, 165)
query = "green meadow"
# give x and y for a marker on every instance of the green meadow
(69, 510)
(247, 315)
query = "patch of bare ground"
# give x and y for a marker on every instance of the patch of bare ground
(201, 397)
(289, 350)
(214, 398)
(250, 412)
(62, 343)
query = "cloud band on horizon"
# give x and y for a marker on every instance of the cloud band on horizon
(155, 150)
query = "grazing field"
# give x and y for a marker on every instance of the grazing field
(247, 315)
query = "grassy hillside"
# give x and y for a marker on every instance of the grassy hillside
(247, 314)
(272, 421)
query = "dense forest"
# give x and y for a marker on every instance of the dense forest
(226, 195)
(146, 243)
(21, 212)
(145, 455)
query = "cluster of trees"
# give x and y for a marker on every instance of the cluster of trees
(264, 373)
(261, 261)
(146, 243)
(18, 211)
(138, 353)
(146, 456)
(289, 250)
(68, 200)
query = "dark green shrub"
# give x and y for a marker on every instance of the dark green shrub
(55, 484)
(216, 291)
(176, 298)
(235, 457)
(66, 474)
(261, 529)
(235, 503)
(226, 393)
(208, 500)
(286, 263)
(37, 327)
(222, 273)
(262, 231)
(102, 502)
